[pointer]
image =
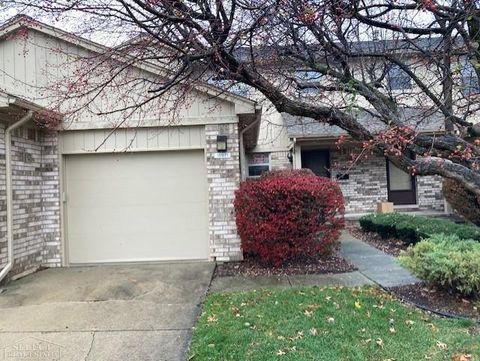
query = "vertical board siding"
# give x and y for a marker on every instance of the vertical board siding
(39, 68)
(124, 140)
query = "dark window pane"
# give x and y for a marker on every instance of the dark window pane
(308, 76)
(257, 170)
(397, 79)
(470, 83)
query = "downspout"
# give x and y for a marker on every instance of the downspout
(9, 190)
(242, 148)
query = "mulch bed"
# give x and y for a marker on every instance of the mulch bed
(391, 246)
(420, 294)
(251, 267)
(439, 300)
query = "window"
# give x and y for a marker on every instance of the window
(469, 79)
(397, 78)
(258, 163)
(308, 76)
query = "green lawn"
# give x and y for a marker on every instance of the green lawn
(326, 324)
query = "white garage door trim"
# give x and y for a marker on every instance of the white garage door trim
(168, 157)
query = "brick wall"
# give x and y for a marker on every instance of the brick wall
(367, 182)
(36, 211)
(51, 200)
(367, 185)
(429, 193)
(279, 160)
(3, 206)
(223, 173)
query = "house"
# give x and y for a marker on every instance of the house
(288, 142)
(90, 186)
(91, 190)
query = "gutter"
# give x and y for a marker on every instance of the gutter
(9, 190)
(242, 148)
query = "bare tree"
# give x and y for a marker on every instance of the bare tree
(348, 49)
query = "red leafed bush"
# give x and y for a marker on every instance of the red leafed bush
(288, 214)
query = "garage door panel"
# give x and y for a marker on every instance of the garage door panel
(136, 207)
(119, 220)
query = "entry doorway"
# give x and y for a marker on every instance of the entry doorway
(317, 160)
(401, 186)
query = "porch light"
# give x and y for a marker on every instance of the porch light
(290, 156)
(221, 143)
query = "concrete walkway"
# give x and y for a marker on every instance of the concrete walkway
(374, 267)
(374, 264)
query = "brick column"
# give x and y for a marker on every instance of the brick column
(51, 200)
(223, 173)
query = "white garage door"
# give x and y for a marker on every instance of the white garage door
(133, 207)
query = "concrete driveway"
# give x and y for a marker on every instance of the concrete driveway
(127, 312)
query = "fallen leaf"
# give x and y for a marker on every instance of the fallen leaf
(409, 322)
(308, 313)
(212, 318)
(330, 320)
(299, 335)
(358, 305)
(313, 331)
(379, 342)
(464, 357)
(392, 330)
(281, 353)
(441, 345)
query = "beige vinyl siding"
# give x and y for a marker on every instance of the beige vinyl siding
(130, 207)
(38, 67)
(139, 139)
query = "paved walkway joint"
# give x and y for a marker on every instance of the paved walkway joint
(374, 264)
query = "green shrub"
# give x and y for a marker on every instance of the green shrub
(412, 229)
(446, 261)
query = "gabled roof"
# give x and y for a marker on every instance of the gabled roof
(420, 119)
(243, 105)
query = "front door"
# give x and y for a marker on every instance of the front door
(401, 185)
(317, 160)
